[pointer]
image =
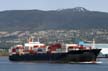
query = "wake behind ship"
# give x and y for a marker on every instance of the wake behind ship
(56, 52)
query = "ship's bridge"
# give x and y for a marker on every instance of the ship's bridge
(32, 44)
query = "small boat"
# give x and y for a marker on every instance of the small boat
(56, 52)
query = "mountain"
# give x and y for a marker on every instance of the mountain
(74, 18)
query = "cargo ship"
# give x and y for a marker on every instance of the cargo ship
(55, 52)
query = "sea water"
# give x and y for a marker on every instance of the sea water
(6, 65)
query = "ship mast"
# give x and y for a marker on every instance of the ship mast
(31, 39)
(93, 44)
(38, 39)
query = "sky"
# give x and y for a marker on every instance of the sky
(94, 5)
